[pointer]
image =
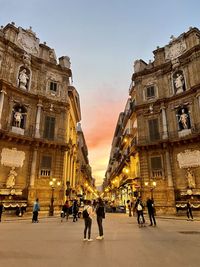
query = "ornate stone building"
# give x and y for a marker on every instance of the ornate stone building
(85, 184)
(167, 107)
(39, 111)
(164, 145)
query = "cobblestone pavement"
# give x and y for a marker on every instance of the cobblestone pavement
(52, 243)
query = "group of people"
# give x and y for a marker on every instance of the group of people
(139, 208)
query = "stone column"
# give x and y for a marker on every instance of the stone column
(169, 170)
(33, 168)
(37, 126)
(164, 121)
(2, 93)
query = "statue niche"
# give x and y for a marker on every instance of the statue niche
(179, 82)
(190, 178)
(19, 116)
(183, 119)
(23, 78)
(10, 183)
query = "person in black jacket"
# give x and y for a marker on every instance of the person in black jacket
(1, 210)
(151, 211)
(189, 211)
(100, 211)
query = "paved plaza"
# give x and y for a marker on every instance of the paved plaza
(52, 243)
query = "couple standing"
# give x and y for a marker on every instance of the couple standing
(88, 215)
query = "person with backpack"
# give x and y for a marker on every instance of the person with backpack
(100, 211)
(87, 216)
(36, 209)
(139, 207)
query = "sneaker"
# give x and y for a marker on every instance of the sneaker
(99, 237)
(89, 240)
(84, 239)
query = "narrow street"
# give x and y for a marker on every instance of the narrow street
(52, 243)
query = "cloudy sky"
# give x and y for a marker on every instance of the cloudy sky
(103, 39)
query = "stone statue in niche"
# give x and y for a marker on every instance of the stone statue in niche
(19, 117)
(184, 119)
(23, 79)
(190, 178)
(11, 178)
(179, 82)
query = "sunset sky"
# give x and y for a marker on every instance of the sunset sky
(103, 39)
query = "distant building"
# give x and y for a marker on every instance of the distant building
(39, 111)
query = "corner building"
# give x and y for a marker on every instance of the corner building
(167, 107)
(39, 111)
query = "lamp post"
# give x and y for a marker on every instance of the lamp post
(53, 183)
(152, 186)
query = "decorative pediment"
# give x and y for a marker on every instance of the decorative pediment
(175, 49)
(28, 41)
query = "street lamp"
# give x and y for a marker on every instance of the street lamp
(53, 183)
(152, 186)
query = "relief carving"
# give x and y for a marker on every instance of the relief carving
(189, 159)
(12, 157)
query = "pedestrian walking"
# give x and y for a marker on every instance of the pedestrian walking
(139, 207)
(36, 209)
(189, 211)
(129, 207)
(75, 210)
(1, 210)
(87, 216)
(151, 211)
(100, 212)
(65, 211)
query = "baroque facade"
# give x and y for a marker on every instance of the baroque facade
(166, 92)
(85, 183)
(39, 111)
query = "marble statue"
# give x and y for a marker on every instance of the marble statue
(184, 119)
(18, 116)
(190, 178)
(23, 79)
(179, 82)
(11, 178)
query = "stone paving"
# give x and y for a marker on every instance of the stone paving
(52, 243)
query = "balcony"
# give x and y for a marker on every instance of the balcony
(173, 136)
(28, 134)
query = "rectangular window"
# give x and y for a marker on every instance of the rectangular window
(156, 167)
(154, 130)
(45, 168)
(156, 163)
(53, 86)
(150, 92)
(49, 127)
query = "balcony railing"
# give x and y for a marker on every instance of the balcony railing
(171, 136)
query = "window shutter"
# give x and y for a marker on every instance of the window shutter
(49, 127)
(46, 162)
(156, 163)
(53, 86)
(153, 130)
(150, 92)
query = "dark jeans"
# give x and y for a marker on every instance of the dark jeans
(35, 216)
(189, 214)
(0, 216)
(152, 218)
(140, 213)
(88, 226)
(75, 217)
(99, 221)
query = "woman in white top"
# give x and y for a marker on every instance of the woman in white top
(87, 216)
